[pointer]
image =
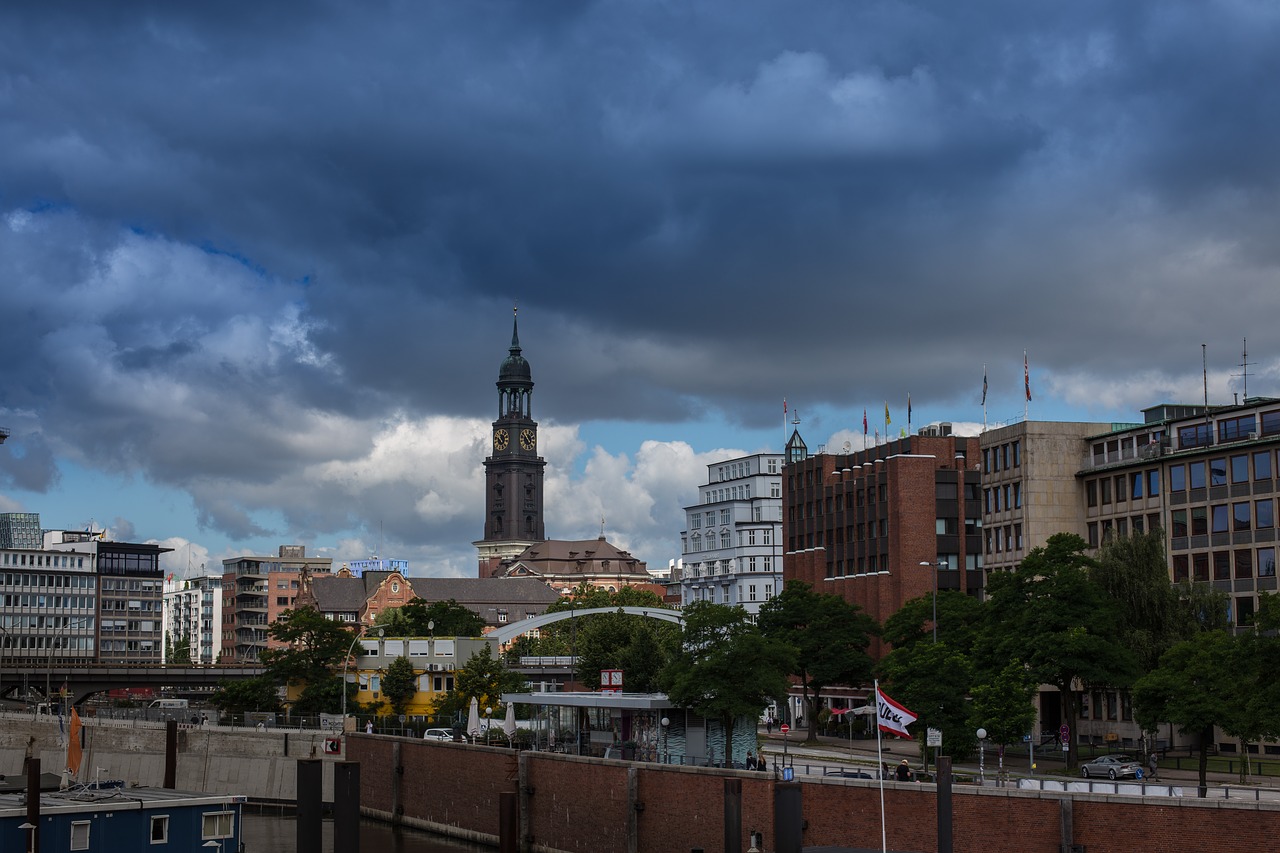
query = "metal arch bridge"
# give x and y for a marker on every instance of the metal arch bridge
(84, 680)
(509, 632)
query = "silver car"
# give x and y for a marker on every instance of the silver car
(1111, 766)
(438, 734)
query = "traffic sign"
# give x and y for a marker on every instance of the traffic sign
(1064, 733)
(785, 728)
(933, 737)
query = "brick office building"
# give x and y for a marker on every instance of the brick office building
(861, 523)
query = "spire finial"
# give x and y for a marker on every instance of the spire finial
(515, 328)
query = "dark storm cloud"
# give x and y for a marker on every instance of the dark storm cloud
(242, 237)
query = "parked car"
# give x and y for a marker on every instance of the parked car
(1111, 766)
(438, 734)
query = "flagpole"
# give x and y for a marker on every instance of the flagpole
(984, 396)
(884, 842)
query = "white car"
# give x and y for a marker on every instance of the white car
(438, 734)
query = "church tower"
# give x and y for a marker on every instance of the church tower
(513, 472)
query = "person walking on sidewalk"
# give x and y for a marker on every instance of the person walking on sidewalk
(1152, 764)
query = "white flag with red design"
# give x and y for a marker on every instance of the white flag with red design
(892, 717)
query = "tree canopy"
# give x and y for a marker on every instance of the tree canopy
(417, 618)
(1049, 614)
(725, 668)
(830, 638)
(484, 677)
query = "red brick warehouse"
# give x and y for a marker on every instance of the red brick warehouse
(859, 524)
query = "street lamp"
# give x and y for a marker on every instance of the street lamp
(982, 744)
(346, 660)
(666, 757)
(941, 564)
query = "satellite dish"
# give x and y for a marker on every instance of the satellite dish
(847, 447)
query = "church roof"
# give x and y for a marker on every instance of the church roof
(577, 556)
(335, 594)
(514, 366)
(485, 590)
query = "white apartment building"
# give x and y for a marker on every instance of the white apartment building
(732, 543)
(193, 612)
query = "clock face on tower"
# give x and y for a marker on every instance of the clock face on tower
(501, 438)
(528, 439)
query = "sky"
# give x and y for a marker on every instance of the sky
(258, 260)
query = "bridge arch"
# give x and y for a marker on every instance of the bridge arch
(509, 632)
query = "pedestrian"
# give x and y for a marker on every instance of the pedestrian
(1153, 764)
(751, 760)
(768, 725)
(368, 727)
(903, 772)
(204, 718)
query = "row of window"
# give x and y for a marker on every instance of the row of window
(1001, 498)
(869, 565)
(735, 470)
(57, 602)
(1237, 428)
(1002, 457)
(1131, 485)
(725, 567)
(17, 580)
(1100, 531)
(1106, 705)
(46, 561)
(1223, 518)
(1240, 564)
(1221, 471)
(1001, 539)
(738, 493)
(29, 642)
(725, 595)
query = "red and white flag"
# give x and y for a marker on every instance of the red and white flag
(892, 717)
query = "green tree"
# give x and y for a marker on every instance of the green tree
(484, 677)
(959, 621)
(1051, 615)
(417, 618)
(1196, 686)
(830, 637)
(725, 667)
(638, 646)
(1003, 706)
(316, 649)
(1207, 607)
(1133, 572)
(246, 694)
(932, 680)
(399, 684)
(177, 652)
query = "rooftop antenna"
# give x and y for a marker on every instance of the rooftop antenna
(1244, 366)
(1204, 369)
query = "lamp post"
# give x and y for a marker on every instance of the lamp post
(982, 750)
(666, 757)
(346, 660)
(941, 564)
(488, 722)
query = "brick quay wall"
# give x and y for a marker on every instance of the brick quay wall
(572, 804)
(261, 765)
(585, 805)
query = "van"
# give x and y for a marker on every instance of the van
(169, 703)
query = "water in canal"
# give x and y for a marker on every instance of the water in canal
(278, 833)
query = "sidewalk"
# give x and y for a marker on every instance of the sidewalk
(836, 751)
